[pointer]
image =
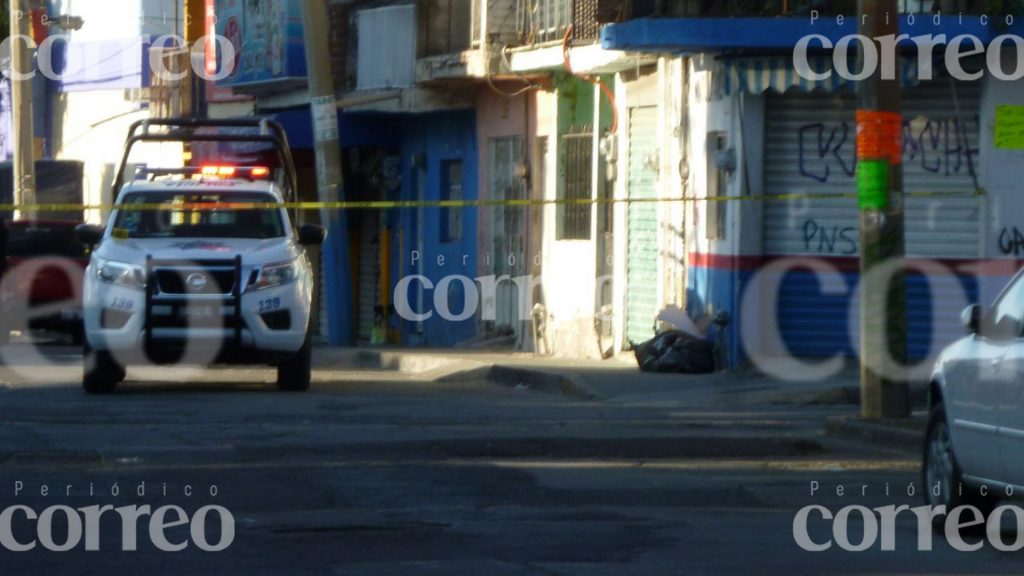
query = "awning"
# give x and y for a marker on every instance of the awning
(778, 73)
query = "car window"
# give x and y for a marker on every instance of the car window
(1005, 320)
(201, 215)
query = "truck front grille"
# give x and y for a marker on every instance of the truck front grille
(195, 280)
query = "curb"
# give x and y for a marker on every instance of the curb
(369, 359)
(455, 370)
(878, 434)
(515, 376)
(542, 380)
(835, 396)
(847, 395)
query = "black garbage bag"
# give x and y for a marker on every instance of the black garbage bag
(676, 351)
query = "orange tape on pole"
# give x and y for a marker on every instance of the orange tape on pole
(879, 135)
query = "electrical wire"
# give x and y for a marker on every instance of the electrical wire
(528, 84)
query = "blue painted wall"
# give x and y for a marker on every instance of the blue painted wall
(430, 140)
(828, 332)
(712, 288)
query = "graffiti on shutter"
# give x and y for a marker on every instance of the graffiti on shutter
(810, 149)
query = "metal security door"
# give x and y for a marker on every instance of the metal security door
(642, 259)
(508, 255)
(369, 274)
(810, 148)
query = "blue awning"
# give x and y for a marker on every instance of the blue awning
(778, 73)
(715, 35)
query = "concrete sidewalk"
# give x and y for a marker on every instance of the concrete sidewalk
(613, 381)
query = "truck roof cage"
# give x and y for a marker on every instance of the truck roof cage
(247, 172)
(185, 130)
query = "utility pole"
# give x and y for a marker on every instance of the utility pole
(336, 272)
(883, 299)
(21, 109)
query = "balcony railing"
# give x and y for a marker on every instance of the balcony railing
(548, 20)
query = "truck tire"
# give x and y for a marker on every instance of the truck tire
(295, 373)
(101, 373)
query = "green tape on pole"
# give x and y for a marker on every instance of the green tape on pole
(872, 184)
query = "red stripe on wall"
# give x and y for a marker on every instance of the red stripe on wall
(725, 261)
(977, 267)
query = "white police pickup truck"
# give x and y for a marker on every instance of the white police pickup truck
(199, 266)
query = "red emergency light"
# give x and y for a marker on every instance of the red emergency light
(232, 171)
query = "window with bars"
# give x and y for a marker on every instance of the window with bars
(548, 20)
(509, 222)
(574, 219)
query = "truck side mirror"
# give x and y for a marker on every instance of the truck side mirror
(971, 318)
(89, 234)
(312, 235)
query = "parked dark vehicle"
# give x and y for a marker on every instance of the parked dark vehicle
(30, 284)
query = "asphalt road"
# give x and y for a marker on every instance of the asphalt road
(377, 473)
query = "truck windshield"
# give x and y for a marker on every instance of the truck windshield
(199, 215)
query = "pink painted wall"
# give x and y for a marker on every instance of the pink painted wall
(499, 116)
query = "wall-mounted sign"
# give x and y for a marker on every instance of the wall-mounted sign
(1010, 127)
(267, 38)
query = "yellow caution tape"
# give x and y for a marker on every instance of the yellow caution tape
(390, 205)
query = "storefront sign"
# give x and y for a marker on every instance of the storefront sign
(268, 40)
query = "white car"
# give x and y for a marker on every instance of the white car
(198, 266)
(974, 447)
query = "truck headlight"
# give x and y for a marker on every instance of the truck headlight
(120, 274)
(276, 275)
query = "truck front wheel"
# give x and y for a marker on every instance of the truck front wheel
(102, 373)
(295, 373)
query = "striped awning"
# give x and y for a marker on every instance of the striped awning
(758, 75)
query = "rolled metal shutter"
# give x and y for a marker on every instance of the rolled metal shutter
(369, 275)
(810, 150)
(642, 259)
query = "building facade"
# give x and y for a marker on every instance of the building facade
(619, 161)
(777, 262)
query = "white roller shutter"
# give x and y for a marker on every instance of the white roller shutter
(386, 50)
(810, 148)
(810, 145)
(642, 258)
